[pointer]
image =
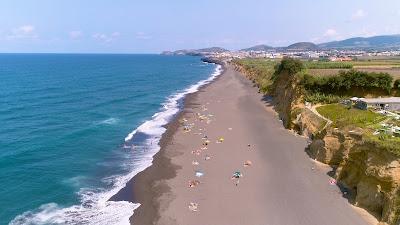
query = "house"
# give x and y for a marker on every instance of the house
(340, 59)
(391, 103)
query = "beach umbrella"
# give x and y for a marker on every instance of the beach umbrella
(199, 174)
(237, 175)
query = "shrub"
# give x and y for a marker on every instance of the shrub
(347, 80)
(288, 65)
(322, 98)
(396, 84)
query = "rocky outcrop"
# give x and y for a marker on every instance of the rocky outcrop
(308, 123)
(373, 174)
(212, 60)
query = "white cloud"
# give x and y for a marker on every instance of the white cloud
(359, 14)
(75, 34)
(330, 33)
(366, 33)
(106, 37)
(26, 29)
(280, 42)
(143, 36)
(392, 29)
(23, 32)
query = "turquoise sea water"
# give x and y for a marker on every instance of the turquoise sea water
(75, 128)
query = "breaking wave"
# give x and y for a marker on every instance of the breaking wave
(95, 207)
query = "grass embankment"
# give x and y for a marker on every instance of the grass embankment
(384, 141)
(342, 116)
(260, 71)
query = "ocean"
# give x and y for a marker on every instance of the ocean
(75, 128)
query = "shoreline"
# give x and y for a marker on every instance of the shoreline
(137, 189)
(279, 181)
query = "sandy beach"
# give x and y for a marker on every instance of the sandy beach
(228, 127)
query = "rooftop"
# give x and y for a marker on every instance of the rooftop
(381, 100)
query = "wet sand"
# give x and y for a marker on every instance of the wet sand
(283, 186)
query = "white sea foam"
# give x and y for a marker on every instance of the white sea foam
(95, 209)
(110, 121)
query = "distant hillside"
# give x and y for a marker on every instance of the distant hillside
(302, 46)
(258, 48)
(212, 49)
(195, 52)
(376, 42)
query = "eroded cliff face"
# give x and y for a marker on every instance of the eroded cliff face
(287, 99)
(370, 173)
(374, 175)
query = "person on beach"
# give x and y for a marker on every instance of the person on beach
(236, 176)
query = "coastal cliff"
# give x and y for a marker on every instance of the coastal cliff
(287, 97)
(370, 173)
(367, 172)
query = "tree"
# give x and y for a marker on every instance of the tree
(289, 65)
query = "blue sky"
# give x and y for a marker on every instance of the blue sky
(132, 26)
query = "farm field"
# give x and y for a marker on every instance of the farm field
(395, 72)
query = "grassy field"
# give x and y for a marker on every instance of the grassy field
(395, 72)
(342, 116)
(390, 66)
(327, 65)
(377, 62)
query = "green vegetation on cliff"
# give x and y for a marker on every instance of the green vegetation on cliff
(330, 89)
(289, 66)
(342, 116)
(321, 89)
(384, 141)
(260, 71)
(347, 80)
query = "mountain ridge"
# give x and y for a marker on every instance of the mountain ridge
(361, 43)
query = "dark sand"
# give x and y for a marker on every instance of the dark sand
(280, 188)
